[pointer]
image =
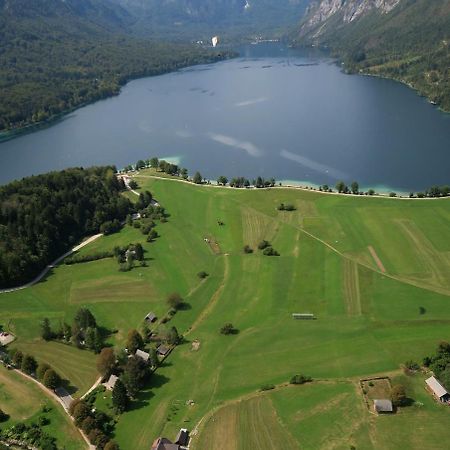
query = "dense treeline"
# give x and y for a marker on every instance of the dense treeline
(42, 216)
(52, 63)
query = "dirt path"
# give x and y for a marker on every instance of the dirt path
(376, 259)
(52, 265)
(95, 385)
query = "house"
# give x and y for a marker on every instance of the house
(150, 317)
(143, 355)
(164, 444)
(182, 437)
(163, 350)
(111, 382)
(383, 406)
(438, 390)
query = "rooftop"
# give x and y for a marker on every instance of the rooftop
(436, 387)
(144, 355)
(383, 405)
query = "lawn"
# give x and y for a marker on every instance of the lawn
(368, 323)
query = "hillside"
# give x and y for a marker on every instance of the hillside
(197, 19)
(57, 55)
(407, 40)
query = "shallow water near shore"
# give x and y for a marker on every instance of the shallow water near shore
(274, 112)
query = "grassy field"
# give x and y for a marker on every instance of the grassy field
(22, 400)
(368, 322)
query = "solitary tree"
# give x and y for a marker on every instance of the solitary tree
(120, 397)
(106, 361)
(46, 331)
(174, 300)
(51, 379)
(227, 329)
(197, 178)
(134, 341)
(355, 187)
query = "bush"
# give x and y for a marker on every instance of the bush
(412, 365)
(3, 416)
(248, 249)
(202, 275)
(267, 387)
(263, 244)
(300, 379)
(228, 329)
(77, 259)
(269, 251)
(43, 421)
(286, 207)
(398, 395)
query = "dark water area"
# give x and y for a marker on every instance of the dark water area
(275, 112)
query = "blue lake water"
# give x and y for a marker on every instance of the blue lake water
(274, 112)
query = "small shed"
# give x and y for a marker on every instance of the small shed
(111, 382)
(143, 355)
(163, 350)
(182, 437)
(383, 406)
(437, 389)
(150, 317)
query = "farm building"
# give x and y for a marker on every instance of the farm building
(163, 350)
(182, 437)
(302, 316)
(164, 444)
(111, 382)
(437, 390)
(143, 355)
(382, 406)
(150, 317)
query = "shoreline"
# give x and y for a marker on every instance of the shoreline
(283, 186)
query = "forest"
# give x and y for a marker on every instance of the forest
(51, 64)
(41, 217)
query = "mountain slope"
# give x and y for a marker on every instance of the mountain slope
(56, 55)
(407, 40)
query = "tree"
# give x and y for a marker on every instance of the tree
(371, 192)
(398, 395)
(154, 163)
(228, 329)
(85, 319)
(3, 416)
(172, 336)
(40, 372)
(202, 274)
(46, 331)
(134, 341)
(248, 249)
(28, 365)
(17, 358)
(184, 173)
(222, 180)
(139, 252)
(174, 300)
(111, 445)
(133, 184)
(341, 187)
(51, 379)
(97, 438)
(154, 361)
(445, 377)
(106, 361)
(263, 244)
(354, 187)
(300, 379)
(88, 424)
(198, 179)
(140, 164)
(80, 412)
(120, 397)
(134, 375)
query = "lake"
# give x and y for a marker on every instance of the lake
(275, 112)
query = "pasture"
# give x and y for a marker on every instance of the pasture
(368, 321)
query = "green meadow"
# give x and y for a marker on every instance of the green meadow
(374, 271)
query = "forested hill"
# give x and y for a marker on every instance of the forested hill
(56, 55)
(408, 40)
(41, 217)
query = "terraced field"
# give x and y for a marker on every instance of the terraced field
(367, 268)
